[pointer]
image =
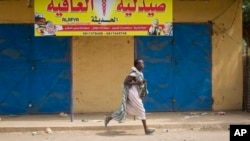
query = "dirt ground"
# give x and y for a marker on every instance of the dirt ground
(121, 135)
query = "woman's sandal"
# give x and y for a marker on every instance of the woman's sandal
(106, 121)
(150, 131)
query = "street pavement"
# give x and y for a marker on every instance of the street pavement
(198, 120)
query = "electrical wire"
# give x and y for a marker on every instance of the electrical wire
(225, 10)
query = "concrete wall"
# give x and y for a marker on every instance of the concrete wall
(226, 15)
(100, 63)
(99, 67)
(16, 11)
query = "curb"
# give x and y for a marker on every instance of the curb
(165, 127)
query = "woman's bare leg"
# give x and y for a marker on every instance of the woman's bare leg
(107, 120)
(147, 131)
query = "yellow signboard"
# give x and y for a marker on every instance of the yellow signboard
(103, 17)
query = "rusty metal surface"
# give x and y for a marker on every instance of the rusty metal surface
(35, 75)
(178, 68)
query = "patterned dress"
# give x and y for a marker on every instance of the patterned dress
(131, 101)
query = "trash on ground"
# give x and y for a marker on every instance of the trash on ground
(84, 120)
(62, 114)
(48, 130)
(221, 113)
(11, 115)
(165, 130)
(193, 114)
(204, 114)
(34, 133)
